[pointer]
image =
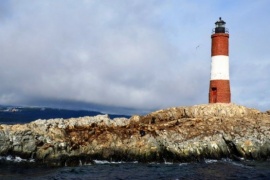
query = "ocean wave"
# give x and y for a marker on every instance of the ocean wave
(112, 162)
(15, 159)
(210, 161)
(184, 164)
(237, 163)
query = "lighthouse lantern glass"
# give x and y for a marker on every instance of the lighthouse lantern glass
(220, 26)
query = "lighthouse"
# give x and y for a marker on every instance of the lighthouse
(219, 90)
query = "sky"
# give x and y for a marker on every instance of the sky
(129, 57)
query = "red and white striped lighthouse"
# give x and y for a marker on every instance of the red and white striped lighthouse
(219, 91)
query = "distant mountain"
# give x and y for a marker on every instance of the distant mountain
(14, 115)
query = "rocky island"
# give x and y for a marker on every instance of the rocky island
(178, 134)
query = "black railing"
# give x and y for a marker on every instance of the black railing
(226, 30)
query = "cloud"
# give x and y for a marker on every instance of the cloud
(138, 55)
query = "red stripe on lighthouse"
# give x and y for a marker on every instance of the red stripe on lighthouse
(220, 44)
(219, 91)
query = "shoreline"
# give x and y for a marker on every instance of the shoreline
(178, 134)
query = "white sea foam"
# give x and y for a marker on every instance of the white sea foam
(183, 164)
(166, 162)
(9, 158)
(210, 161)
(16, 159)
(101, 162)
(111, 162)
(239, 164)
(236, 163)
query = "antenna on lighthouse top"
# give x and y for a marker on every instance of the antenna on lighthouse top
(220, 26)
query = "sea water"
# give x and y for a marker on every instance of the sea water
(17, 168)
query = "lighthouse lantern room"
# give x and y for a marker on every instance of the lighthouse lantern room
(219, 90)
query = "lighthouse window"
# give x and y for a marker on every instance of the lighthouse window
(220, 25)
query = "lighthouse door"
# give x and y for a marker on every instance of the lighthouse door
(214, 94)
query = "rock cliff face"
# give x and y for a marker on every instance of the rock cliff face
(175, 134)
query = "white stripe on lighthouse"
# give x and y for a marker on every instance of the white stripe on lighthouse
(220, 67)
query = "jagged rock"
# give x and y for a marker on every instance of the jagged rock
(177, 134)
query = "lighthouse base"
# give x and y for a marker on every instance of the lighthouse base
(219, 91)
